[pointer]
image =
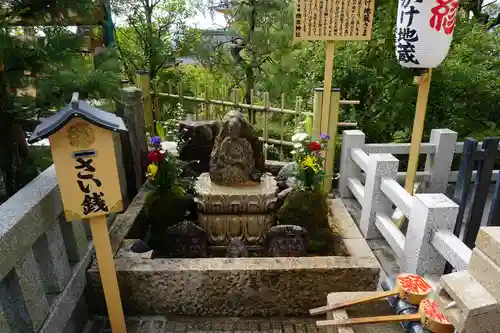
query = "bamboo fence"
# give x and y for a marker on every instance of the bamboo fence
(261, 113)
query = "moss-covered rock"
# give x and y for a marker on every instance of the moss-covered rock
(164, 209)
(309, 209)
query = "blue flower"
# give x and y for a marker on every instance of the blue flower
(324, 137)
(155, 141)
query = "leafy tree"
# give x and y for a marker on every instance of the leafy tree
(258, 43)
(465, 88)
(154, 36)
(37, 75)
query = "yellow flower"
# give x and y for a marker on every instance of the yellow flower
(310, 162)
(152, 170)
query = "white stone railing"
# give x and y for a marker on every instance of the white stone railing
(429, 240)
(439, 152)
(43, 262)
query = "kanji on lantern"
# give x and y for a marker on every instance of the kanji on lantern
(444, 15)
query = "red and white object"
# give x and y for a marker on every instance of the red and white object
(424, 31)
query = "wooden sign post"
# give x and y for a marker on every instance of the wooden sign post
(331, 20)
(81, 141)
(424, 83)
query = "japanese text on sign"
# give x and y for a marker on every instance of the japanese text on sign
(406, 35)
(333, 19)
(93, 200)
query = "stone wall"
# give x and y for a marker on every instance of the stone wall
(43, 259)
(235, 286)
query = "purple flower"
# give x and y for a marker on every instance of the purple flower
(325, 137)
(155, 141)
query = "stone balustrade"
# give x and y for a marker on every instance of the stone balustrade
(43, 262)
(429, 240)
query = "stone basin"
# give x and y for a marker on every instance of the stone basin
(257, 286)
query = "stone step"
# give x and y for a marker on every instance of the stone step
(483, 323)
(454, 314)
(486, 272)
(470, 296)
(488, 241)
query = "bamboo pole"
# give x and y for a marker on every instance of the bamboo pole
(418, 130)
(259, 108)
(208, 105)
(332, 131)
(282, 126)
(107, 271)
(251, 109)
(327, 85)
(196, 105)
(266, 132)
(298, 105)
(156, 110)
(143, 82)
(318, 95)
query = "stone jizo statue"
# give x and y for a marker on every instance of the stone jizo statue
(237, 157)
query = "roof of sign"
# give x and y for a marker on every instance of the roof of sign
(79, 109)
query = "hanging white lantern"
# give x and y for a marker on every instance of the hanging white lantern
(424, 30)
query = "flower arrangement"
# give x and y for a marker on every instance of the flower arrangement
(310, 172)
(165, 169)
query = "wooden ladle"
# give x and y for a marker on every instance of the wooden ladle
(429, 314)
(411, 288)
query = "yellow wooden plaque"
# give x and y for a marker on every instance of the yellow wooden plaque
(333, 19)
(85, 162)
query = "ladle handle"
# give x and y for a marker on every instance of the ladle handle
(369, 320)
(326, 308)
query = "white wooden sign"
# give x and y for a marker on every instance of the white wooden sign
(333, 19)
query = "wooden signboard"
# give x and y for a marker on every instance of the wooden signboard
(83, 151)
(85, 162)
(333, 19)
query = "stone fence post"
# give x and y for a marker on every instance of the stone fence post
(348, 168)
(429, 212)
(439, 164)
(374, 201)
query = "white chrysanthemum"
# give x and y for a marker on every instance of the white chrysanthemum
(299, 137)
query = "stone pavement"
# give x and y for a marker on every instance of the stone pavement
(185, 324)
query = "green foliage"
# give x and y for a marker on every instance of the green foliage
(50, 67)
(155, 34)
(465, 88)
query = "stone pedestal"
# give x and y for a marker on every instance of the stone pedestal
(227, 212)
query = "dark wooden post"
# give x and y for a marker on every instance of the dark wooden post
(462, 186)
(488, 155)
(494, 217)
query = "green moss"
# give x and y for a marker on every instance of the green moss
(309, 209)
(164, 209)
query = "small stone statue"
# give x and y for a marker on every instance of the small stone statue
(237, 157)
(286, 241)
(236, 249)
